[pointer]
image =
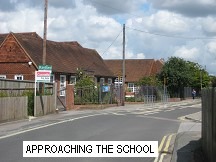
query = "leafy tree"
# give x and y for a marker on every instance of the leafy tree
(85, 89)
(213, 81)
(151, 81)
(178, 73)
(83, 80)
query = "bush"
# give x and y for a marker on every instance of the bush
(30, 95)
(3, 94)
(130, 99)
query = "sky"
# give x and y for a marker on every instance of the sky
(154, 29)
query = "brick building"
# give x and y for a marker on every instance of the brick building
(135, 69)
(22, 53)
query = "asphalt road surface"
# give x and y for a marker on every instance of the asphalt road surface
(129, 123)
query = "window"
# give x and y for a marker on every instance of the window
(132, 87)
(109, 81)
(18, 77)
(102, 80)
(72, 80)
(2, 76)
(62, 85)
(118, 81)
(52, 78)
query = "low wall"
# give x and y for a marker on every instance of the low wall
(174, 99)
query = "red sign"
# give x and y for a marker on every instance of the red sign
(42, 76)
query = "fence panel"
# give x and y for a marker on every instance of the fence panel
(209, 123)
(44, 105)
(13, 108)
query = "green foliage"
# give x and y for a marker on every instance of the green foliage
(85, 89)
(150, 81)
(178, 73)
(84, 95)
(213, 81)
(83, 80)
(30, 95)
(3, 94)
(130, 99)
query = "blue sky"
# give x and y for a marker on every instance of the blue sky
(154, 28)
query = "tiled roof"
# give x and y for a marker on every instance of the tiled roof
(135, 69)
(2, 38)
(63, 56)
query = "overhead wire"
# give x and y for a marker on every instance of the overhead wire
(171, 36)
(112, 42)
(147, 32)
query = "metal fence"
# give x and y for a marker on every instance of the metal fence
(105, 94)
(151, 94)
(209, 123)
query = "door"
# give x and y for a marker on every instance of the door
(62, 85)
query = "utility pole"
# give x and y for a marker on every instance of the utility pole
(123, 68)
(45, 31)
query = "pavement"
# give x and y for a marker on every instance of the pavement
(186, 145)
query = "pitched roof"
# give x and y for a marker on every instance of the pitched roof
(63, 56)
(2, 38)
(135, 69)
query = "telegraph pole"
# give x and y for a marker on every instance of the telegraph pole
(45, 31)
(123, 68)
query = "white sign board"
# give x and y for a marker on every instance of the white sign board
(42, 76)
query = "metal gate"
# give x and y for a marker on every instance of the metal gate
(104, 94)
(152, 94)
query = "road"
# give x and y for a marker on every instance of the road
(129, 123)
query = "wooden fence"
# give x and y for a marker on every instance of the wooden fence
(13, 108)
(45, 104)
(209, 123)
(13, 105)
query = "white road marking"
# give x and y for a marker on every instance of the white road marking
(48, 125)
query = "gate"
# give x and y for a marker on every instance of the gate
(104, 94)
(151, 94)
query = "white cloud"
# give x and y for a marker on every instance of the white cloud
(209, 26)
(187, 53)
(191, 8)
(97, 25)
(140, 56)
(211, 47)
(167, 22)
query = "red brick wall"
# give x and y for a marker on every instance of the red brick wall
(14, 60)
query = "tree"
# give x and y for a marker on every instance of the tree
(213, 81)
(178, 73)
(83, 80)
(150, 81)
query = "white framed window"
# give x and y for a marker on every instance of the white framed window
(109, 81)
(118, 81)
(62, 85)
(132, 87)
(18, 77)
(102, 80)
(2, 76)
(72, 80)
